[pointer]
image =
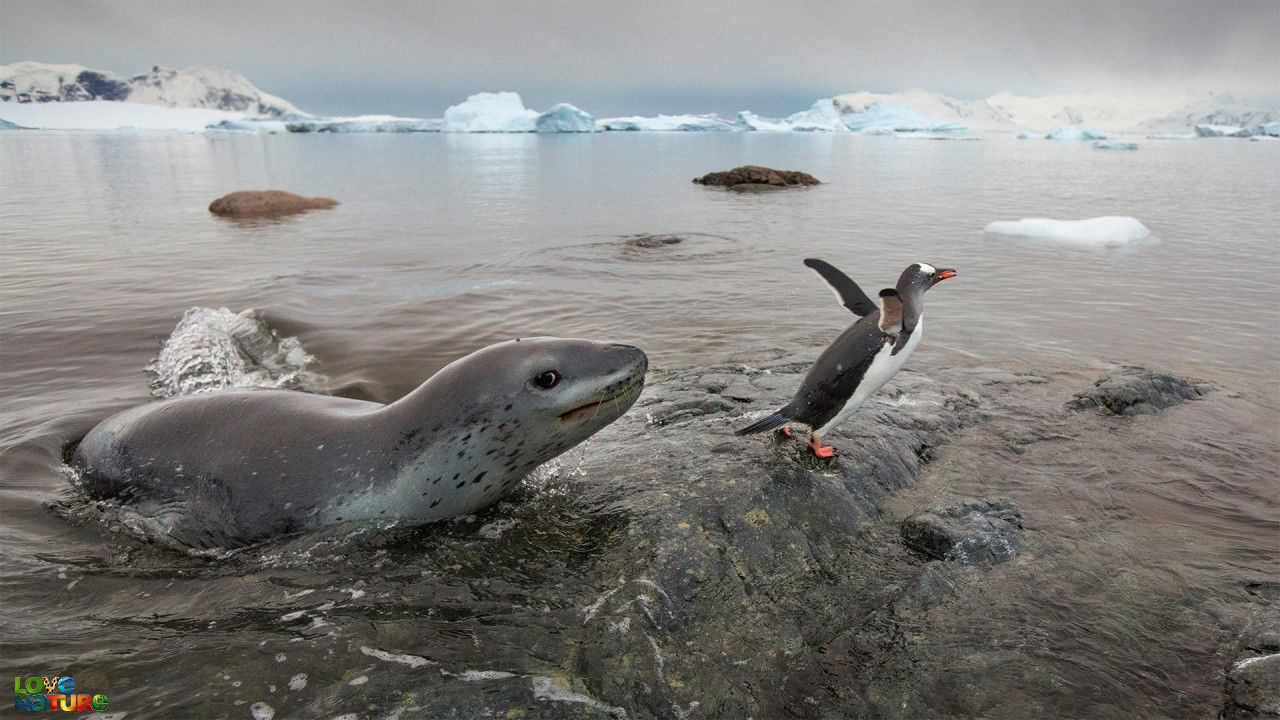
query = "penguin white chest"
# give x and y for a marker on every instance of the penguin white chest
(883, 367)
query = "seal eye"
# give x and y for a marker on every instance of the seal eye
(547, 380)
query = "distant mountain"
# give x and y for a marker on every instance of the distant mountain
(1116, 112)
(197, 87)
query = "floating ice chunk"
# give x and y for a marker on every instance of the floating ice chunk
(1109, 231)
(1116, 145)
(668, 123)
(1221, 131)
(1272, 129)
(1028, 135)
(822, 115)
(6, 125)
(490, 112)
(250, 125)
(364, 124)
(1072, 132)
(940, 135)
(898, 118)
(1172, 136)
(565, 118)
(110, 115)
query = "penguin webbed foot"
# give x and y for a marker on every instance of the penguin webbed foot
(820, 450)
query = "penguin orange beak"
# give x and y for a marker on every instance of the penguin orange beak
(944, 274)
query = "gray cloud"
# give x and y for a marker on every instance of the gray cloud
(652, 56)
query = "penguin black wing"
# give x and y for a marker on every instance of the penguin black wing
(851, 296)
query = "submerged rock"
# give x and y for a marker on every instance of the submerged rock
(265, 203)
(1135, 390)
(750, 175)
(1251, 688)
(972, 532)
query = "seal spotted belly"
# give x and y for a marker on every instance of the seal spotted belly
(239, 466)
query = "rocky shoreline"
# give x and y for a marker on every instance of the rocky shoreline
(730, 578)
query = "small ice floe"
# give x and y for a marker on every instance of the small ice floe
(1028, 135)
(1116, 145)
(1072, 132)
(1172, 136)
(1108, 231)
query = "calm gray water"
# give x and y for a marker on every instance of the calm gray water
(446, 243)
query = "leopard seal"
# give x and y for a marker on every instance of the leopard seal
(230, 468)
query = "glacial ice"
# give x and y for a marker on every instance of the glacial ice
(6, 125)
(1028, 135)
(1221, 131)
(565, 118)
(1116, 145)
(898, 118)
(1107, 231)
(111, 115)
(822, 115)
(1072, 132)
(490, 112)
(364, 124)
(1272, 129)
(748, 120)
(667, 123)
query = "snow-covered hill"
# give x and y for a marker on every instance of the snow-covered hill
(198, 87)
(1114, 112)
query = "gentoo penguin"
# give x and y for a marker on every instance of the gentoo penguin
(863, 358)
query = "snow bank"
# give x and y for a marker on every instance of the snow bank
(667, 123)
(1071, 132)
(1108, 231)
(565, 118)
(109, 115)
(1116, 145)
(490, 112)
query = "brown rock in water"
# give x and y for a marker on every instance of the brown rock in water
(757, 175)
(263, 203)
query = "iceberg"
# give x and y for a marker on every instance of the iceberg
(1116, 145)
(490, 112)
(1106, 231)
(6, 125)
(821, 116)
(364, 124)
(1072, 132)
(565, 118)
(1028, 135)
(748, 120)
(667, 123)
(1272, 129)
(111, 115)
(898, 118)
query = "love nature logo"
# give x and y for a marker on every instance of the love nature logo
(53, 693)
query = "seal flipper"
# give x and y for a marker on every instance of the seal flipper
(851, 296)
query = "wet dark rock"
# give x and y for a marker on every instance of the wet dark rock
(266, 203)
(972, 532)
(751, 177)
(1251, 688)
(1135, 390)
(649, 241)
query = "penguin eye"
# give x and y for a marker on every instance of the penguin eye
(546, 380)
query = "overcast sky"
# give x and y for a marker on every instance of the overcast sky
(617, 56)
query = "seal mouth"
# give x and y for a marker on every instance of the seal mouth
(632, 386)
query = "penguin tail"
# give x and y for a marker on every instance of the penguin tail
(769, 422)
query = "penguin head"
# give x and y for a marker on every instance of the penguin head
(919, 277)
